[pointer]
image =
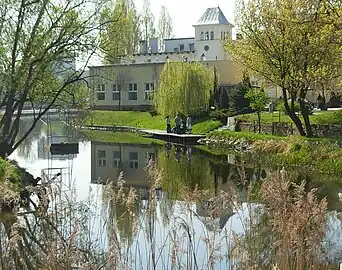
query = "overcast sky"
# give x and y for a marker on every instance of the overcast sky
(185, 13)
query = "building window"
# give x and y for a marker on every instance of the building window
(116, 159)
(149, 88)
(206, 35)
(101, 92)
(212, 35)
(202, 36)
(101, 157)
(116, 92)
(133, 91)
(181, 47)
(192, 46)
(222, 37)
(176, 49)
(133, 160)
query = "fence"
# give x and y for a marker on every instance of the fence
(287, 129)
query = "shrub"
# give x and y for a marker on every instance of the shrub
(281, 107)
(222, 115)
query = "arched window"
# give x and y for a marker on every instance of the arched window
(206, 35)
(202, 36)
(212, 35)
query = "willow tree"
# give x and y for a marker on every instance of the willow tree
(291, 44)
(184, 88)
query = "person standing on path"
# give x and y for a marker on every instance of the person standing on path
(168, 124)
(178, 122)
(188, 124)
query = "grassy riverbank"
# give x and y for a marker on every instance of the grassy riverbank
(321, 155)
(320, 117)
(119, 137)
(143, 120)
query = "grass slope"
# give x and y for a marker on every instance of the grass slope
(324, 117)
(143, 120)
(119, 137)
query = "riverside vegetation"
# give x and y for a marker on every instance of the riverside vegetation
(321, 155)
(63, 238)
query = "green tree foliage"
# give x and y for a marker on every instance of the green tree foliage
(121, 36)
(236, 96)
(184, 88)
(37, 39)
(292, 44)
(258, 100)
(164, 27)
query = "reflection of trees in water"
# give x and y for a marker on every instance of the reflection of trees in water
(177, 172)
(123, 208)
(25, 147)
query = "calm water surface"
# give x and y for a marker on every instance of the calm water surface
(83, 176)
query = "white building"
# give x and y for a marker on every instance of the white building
(128, 85)
(210, 31)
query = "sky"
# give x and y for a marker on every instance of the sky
(185, 13)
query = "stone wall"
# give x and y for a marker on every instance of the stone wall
(287, 129)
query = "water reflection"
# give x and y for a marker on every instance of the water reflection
(163, 216)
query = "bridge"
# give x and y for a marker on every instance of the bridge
(52, 112)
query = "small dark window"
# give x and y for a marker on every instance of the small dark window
(132, 96)
(202, 36)
(116, 95)
(212, 35)
(206, 48)
(101, 154)
(181, 47)
(192, 46)
(206, 35)
(101, 96)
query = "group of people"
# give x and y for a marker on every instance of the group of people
(182, 125)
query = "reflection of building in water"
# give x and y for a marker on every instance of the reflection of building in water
(43, 148)
(215, 213)
(108, 160)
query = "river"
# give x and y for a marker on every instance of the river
(150, 239)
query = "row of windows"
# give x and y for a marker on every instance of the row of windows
(211, 35)
(116, 161)
(181, 47)
(132, 91)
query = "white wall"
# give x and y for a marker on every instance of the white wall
(171, 44)
(217, 28)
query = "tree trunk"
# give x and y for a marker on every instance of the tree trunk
(292, 114)
(305, 113)
(5, 150)
(259, 121)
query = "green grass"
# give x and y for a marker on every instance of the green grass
(119, 137)
(315, 154)
(143, 120)
(249, 136)
(321, 117)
